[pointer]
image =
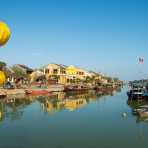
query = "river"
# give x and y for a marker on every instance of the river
(73, 120)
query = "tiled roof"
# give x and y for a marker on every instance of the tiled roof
(24, 67)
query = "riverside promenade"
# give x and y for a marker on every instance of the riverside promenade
(51, 88)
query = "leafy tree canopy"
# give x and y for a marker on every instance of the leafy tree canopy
(18, 72)
(2, 65)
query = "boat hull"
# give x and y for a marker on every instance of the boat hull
(143, 114)
(135, 96)
(37, 92)
(75, 88)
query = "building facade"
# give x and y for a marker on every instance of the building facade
(55, 71)
(66, 74)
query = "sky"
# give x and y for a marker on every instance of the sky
(106, 36)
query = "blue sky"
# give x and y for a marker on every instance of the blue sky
(103, 35)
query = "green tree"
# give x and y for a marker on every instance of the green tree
(78, 80)
(55, 77)
(2, 65)
(90, 79)
(116, 79)
(18, 72)
(109, 79)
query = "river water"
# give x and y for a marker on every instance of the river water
(73, 120)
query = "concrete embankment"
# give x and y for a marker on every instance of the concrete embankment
(12, 91)
(51, 88)
(15, 91)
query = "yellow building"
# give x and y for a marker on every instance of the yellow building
(71, 70)
(66, 74)
(55, 71)
(75, 73)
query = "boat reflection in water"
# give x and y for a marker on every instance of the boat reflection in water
(139, 109)
(12, 107)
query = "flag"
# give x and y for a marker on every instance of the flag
(141, 60)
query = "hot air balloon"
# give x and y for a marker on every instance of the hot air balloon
(4, 33)
(2, 77)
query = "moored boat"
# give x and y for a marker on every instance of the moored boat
(140, 109)
(143, 113)
(37, 90)
(136, 93)
(76, 88)
(145, 94)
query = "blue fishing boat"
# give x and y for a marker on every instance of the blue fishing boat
(145, 94)
(136, 93)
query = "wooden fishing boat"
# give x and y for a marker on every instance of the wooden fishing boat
(145, 94)
(143, 113)
(37, 90)
(136, 93)
(76, 88)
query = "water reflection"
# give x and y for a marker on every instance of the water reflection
(12, 107)
(68, 101)
(135, 104)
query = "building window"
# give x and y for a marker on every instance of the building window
(71, 80)
(55, 71)
(63, 72)
(47, 71)
(80, 73)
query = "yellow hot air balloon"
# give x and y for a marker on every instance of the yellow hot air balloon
(4, 33)
(2, 77)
